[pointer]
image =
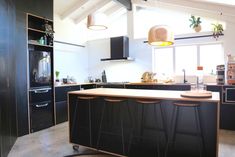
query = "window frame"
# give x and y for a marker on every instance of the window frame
(174, 54)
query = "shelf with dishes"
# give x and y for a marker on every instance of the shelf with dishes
(36, 43)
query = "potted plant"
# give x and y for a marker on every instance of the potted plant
(217, 30)
(195, 23)
(57, 73)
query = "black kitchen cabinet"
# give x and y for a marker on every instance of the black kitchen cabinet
(42, 8)
(159, 87)
(61, 102)
(129, 86)
(8, 126)
(227, 109)
(41, 116)
(110, 85)
(88, 86)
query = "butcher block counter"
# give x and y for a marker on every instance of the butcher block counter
(139, 123)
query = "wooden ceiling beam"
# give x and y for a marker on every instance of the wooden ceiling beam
(73, 8)
(88, 11)
(126, 3)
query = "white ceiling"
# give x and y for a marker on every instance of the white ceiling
(78, 10)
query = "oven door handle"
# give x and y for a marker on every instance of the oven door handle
(42, 105)
(41, 91)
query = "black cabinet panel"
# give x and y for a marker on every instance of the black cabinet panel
(8, 132)
(227, 111)
(61, 112)
(110, 85)
(61, 102)
(139, 86)
(227, 116)
(41, 116)
(88, 86)
(43, 8)
(160, 87)
(61, 93)
(40, 95)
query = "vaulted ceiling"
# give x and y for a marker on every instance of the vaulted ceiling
(78, 10)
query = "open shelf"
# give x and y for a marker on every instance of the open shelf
(36, 30)
(39, 45)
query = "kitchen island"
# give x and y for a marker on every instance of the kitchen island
(138, 123)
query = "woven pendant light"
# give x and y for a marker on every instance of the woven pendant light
(97, 21)
(160, 35)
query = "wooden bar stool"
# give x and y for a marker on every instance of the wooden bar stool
(174, 125)
(118, 105)
(76, 147)
(140, 136)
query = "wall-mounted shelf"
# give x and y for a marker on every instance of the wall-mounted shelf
(40, 45)
(36, 30)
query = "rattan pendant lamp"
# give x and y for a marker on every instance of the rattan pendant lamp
(97, 21)
(160, 35)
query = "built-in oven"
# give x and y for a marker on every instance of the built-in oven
(40, 68)
(228, 95)
(41, 108)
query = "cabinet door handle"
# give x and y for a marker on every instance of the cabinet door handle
(41, 91)
(42, 105)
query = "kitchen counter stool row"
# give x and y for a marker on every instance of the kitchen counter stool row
(134, 127)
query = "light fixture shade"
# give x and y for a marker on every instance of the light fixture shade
(160, 35)
(97, 21)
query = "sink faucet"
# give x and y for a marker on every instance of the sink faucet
(185, 81)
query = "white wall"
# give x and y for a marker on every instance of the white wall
(70, 60)
(118, 71)
(67, 31)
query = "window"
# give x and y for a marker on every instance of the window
(163, 60)
(185, 58)
(210, 57)
(173, 60)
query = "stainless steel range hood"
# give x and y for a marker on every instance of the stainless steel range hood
(119, 48)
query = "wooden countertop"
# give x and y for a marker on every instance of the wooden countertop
(146, 94)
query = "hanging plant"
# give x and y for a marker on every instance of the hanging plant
(195, 23)
(217, 30)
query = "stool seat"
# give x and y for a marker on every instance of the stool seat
(140, 131)
(112, 114)
(148, 101)
(86, 97)
(175, 130)
(114, 99)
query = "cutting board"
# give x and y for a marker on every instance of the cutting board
(197, 94)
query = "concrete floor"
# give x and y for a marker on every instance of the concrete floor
(53, 142)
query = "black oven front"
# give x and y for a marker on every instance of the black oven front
(40, 69)
(229, 94)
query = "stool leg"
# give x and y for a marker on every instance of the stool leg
(171, 129)
(101, 122)
(142, 123)
(89, 106)
(200, 132)
(75, 114)
(163, 121)
(122, 131)
(133, 123)
(156, 121)
(175, 125)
